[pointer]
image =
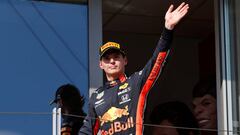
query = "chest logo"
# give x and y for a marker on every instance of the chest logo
(113, 113)
(124, 99)
(124, 86)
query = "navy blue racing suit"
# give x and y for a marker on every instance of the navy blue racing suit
(117, 108)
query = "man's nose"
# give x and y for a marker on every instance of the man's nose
(112, 60)
(198, 110)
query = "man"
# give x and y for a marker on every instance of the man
(172, 115)
(205, 106)
(69, 99)
(118, 106)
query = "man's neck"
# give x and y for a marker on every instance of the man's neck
(112, 78)
(121, 77)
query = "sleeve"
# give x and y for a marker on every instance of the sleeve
(66, 127)
(149, 75)
(90, 123)
(158, 58)
(66, 130)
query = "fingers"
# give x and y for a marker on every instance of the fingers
(180, 6)
(186, 7)
(170, 9)
(184, 10)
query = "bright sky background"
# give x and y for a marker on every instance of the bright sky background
(43, 46)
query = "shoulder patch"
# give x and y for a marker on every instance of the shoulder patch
(140, 72)
(100, 95)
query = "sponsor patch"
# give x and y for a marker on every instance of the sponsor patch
(100, 95)
(113, 113)
(124, 86)
(124, 91)
(125, 98)
(140, 72)
(110, 44)
(118, 127)
(98, 103)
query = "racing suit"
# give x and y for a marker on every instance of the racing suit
(118, 106)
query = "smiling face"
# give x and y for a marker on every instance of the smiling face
(205, 111)
(113, 63)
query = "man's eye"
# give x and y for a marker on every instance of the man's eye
(106, 58)
(206, 103)
(117, 56)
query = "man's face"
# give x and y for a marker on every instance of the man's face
(113, 64)
(165, 130)
(205, 111)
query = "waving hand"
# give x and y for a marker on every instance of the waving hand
(173, 17)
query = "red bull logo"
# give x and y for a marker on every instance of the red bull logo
(117, 127)
(113, 113)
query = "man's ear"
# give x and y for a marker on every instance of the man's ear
(126, 60)
(100, 64)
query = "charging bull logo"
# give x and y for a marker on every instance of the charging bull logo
(117, 126)
(113, 113)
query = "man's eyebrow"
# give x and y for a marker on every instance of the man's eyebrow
(206, 99)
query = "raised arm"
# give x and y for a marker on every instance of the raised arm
(172, 17)
(154, 66)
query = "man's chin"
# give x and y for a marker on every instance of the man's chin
(114, 73)
(207, 126)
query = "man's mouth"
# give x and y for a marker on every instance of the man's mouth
(112, 67)
(203, 122)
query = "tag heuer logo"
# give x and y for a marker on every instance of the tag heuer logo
(124, 86)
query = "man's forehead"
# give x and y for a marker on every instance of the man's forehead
(197, 100)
